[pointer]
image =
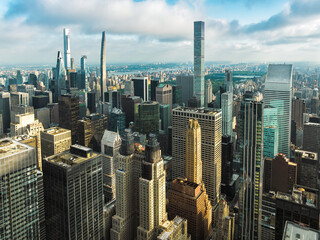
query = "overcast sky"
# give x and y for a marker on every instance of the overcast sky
(31, 31)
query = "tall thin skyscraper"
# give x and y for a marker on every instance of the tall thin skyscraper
(226, 108)
(228, 81)
(103, 67)
(278, 93)
(198, 84)
(60, 78)
(67, 54)
(208, 97)
(250, 124)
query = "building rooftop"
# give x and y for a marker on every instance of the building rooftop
(301, 195)
(294, 231)
(279, 73)
(169, 228)
(56, 130)
(9, 147)
(109, 138)
(308, 155)
(69, 158)
(212, 111)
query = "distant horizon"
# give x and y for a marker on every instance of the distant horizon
(207, 63)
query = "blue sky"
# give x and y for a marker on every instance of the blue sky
(160, 30)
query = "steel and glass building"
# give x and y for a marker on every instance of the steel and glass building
(103, 67)
(73, 191)
(60, 77)
(141, 87)
(198, 83)
(186, 84)
(67, 54)
(146, 118)
(19, 215)
(226, 108)
(117, 121)
(5, 106)
(271, 132)
(250, 124)
(278, 93)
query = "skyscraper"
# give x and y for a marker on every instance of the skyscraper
(60, 78)
(186, 84)
(66, 42)
(19, 215)
(279, 174)
(5, 110)
(198, 84)
(226, 108)
(208, 96)
(117, 121)
(146, 118)
(141, 87)
(124, 223)
(188, 197)
(55, 140)
(103, 67)
(278, 93)
(250, 125)
(110, 144)
(83, 74)
(228, 81)
(69, 114)
(152, 191)
(193, 152)
(164, 94)
(270, 131)
(211, 127)
(73, 193)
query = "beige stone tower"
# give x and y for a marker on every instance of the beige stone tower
(193, 152)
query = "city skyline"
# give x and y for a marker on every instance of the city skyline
(160, 31)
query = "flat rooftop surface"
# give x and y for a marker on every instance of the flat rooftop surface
(9, 147)
(294, 231)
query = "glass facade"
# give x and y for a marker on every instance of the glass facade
(19, 211)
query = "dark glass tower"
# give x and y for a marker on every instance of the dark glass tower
(73, 190)
(250, 125)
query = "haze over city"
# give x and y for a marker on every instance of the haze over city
(160, 31)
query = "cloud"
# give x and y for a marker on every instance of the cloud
(152, 17)
(152, 30)
(296, 12)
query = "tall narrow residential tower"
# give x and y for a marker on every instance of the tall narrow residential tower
(103, 67)
(278, 93)
(67, 54)
(198, 83)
